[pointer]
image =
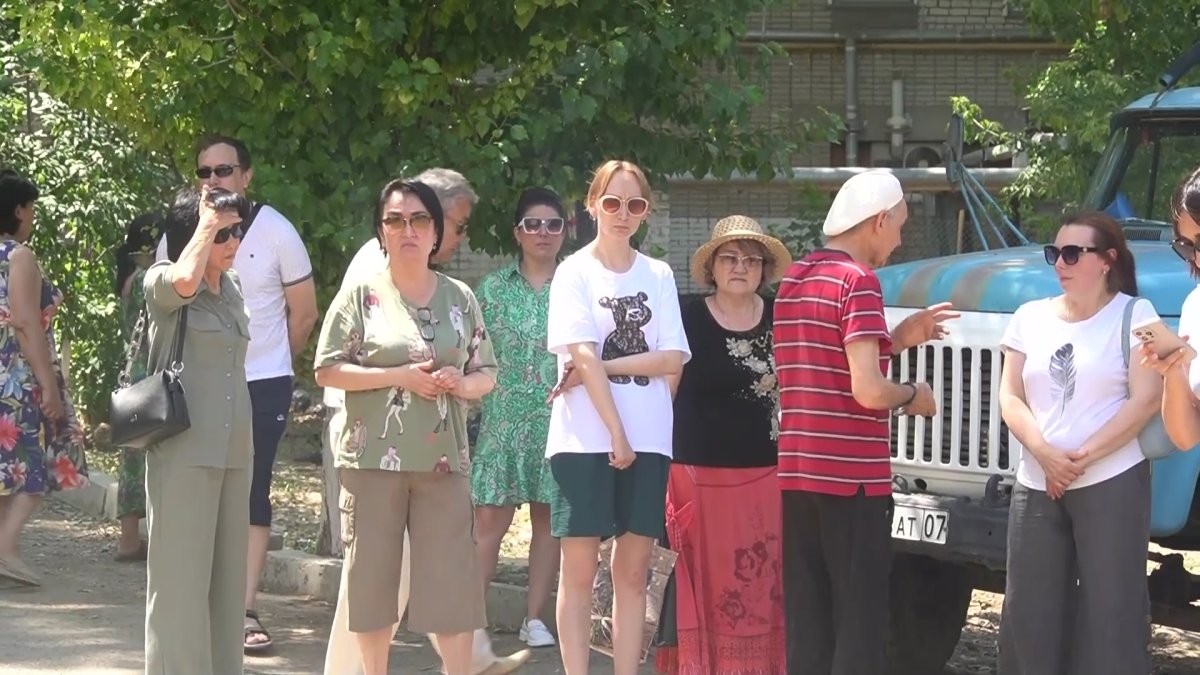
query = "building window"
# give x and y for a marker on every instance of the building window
(867, 4)
(855, 16)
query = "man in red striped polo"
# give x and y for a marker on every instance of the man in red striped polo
(832, 348)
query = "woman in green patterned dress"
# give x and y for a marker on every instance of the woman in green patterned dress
(510, 466)
(134, 256)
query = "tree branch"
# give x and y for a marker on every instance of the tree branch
(235, 7)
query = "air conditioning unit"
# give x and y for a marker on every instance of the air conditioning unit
(922, 155)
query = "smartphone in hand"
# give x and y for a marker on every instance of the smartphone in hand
(562, 382)
(1162, 340)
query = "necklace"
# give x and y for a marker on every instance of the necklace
(748, 319)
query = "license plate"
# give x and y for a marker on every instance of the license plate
(919, 524)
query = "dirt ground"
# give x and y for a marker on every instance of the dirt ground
(88, 616)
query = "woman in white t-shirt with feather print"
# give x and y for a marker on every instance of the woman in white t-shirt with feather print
(1081, 508)
(614, 315)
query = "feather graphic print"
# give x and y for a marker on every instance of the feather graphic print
(1062, 374)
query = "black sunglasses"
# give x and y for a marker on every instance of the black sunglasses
(225, 233)
(530, 225)
(426, 320)
(1069, 253)
(222, 171)
(1184, 248)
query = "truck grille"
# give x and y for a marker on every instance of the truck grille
(968, 431)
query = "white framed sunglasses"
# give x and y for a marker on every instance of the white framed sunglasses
(531, 225)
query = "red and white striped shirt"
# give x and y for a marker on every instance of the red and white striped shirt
(828, 443)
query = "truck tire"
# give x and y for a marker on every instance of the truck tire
(928, 605)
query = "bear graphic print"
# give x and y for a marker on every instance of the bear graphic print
(630, 313)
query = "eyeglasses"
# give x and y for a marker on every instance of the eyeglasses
(224, 234)
(420, 222)
(732, 260)
(427, 321)
(634, 206)
(1069, 253)
(530, 225)
(222, 171)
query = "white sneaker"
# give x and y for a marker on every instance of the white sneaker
(535, 634)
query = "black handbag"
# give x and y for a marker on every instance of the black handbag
(153, 409)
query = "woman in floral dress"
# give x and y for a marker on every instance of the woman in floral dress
(723, 505)
(510, 466)
(41, 445)
(133, 258)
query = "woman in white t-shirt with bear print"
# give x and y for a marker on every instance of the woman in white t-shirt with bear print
(614, 316)
(1081, 509)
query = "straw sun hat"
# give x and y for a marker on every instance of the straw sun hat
(739, 228)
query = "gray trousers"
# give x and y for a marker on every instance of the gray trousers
(1076, 600)
(196, 567)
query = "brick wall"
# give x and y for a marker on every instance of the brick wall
(969, 14)
(817, 15)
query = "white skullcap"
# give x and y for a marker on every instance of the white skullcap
(861, 197)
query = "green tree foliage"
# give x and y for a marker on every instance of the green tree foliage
(1118, 48)
(336, 97)
(93, 182)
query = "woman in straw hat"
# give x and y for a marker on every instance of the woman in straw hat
(723, 505)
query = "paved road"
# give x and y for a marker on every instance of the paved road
(88, 616)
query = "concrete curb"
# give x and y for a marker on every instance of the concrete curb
(291, 572)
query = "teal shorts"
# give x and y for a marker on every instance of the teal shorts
(596, 500)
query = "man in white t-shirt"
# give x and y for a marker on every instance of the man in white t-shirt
(458, 199)
(281, 299)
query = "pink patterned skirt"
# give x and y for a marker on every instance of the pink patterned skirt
(725, 524)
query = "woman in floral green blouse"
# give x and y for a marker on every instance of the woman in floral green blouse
(409, 347)
(510, 466)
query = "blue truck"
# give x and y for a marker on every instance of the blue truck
(953, 473)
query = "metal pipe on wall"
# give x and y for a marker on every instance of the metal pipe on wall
(1019, 36)
(851, 102)
(899, 122)
(932, 179)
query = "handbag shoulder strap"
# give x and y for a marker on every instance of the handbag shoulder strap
(254, 209)
(1125, 321)
(138, 337)
(180, 332)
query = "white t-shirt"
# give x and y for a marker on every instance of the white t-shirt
(1189, 326)
(1075, 381)
(585, 300)
(271, 258)
(368, 262)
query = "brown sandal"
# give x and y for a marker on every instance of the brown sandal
(255, 628)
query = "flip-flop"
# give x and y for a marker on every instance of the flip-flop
(138, 555)
(16, 570)
(255, 647)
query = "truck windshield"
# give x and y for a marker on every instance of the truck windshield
(1140, 168)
